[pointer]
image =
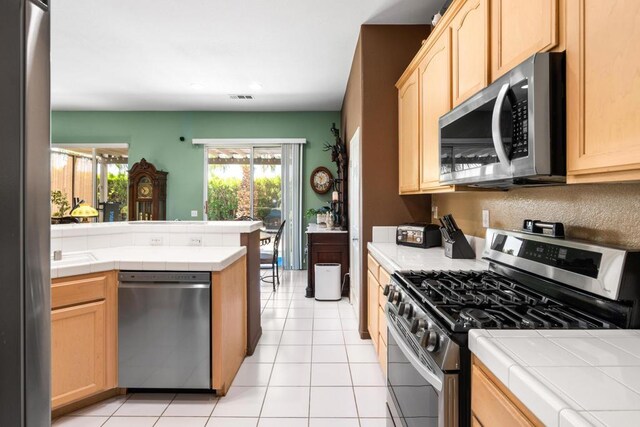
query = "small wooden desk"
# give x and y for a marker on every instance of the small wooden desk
(326, 247)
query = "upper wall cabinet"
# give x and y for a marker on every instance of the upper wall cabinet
(520, 28)
(470, 49)
(435, 100)
(408, 138)
(603, 118)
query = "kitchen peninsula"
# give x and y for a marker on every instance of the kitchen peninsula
(85, 267)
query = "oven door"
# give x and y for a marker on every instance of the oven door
(416, 395)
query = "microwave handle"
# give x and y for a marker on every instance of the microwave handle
(496, 132)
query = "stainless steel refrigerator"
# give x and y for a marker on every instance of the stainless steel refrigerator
(25, 320)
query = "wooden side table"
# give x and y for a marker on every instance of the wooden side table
(326, 247)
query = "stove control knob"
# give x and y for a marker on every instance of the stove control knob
(404, 308)
(408, 310)
(418, 325)
(429, 340)
(395, 298)
(391, 295)
(387, 289)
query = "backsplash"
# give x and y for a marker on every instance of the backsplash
(607, 213)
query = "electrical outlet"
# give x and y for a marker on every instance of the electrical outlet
(195, 241)
(434, 211)
(194, 214)
(156, 241)
(485, 218)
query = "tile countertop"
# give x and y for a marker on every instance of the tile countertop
(62, 230)
(567, 377)
(393, 257)
(158, 258)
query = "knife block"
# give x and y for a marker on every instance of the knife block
(457, 247)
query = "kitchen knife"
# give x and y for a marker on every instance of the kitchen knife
(453, 223)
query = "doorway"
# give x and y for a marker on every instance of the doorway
(245, 183)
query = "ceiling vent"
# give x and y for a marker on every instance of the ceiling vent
(241, 96)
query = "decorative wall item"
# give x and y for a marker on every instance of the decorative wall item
(147, 192)
(321, 180)
(339, 196)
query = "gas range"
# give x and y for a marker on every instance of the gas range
(532, 282)
(484, 299)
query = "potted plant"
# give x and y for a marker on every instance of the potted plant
(320, 214)
(60, 201)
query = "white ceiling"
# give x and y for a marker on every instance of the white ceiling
(191, 54)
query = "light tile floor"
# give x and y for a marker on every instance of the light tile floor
(310, 369)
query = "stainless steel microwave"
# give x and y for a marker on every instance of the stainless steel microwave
(511, 133)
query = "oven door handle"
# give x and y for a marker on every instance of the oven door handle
(496, 132)
(413, 359)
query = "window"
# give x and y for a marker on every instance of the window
(94, 174)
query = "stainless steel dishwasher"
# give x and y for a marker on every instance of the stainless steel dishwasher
(164, 330)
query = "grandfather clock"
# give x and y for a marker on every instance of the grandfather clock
(147, 192)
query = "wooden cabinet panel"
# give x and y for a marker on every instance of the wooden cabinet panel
(435, 100)
(78, 357)
(373, 266)
(382, 356)
(372, 307)
(493, 405)
(382, 299)
(228, 324)
(408, 136)
(384, 278)
(603, 118)
(382, 325)
(520, 28)
(79, 289)
(470, 49)
(84, 336)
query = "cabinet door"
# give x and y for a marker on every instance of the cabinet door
(372, 308)
(603, 118)
(435, 100)
(408, 136)
(470, 49)
(520, 28)
(78, 352)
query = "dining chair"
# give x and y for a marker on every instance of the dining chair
(272, 259)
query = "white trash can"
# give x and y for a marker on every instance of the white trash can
(327, 282)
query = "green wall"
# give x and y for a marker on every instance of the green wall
(155, 136)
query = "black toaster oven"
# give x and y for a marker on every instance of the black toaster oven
(419, 235)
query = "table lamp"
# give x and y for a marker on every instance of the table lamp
(84, 212)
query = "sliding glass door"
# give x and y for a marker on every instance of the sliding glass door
(245, 183)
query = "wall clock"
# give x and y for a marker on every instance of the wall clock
(321, 180)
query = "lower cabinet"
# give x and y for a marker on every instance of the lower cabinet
(493, 405)
(228, 324)
(83, 337)
(377, 279)
(372, 311)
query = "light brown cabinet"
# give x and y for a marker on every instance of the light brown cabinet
(435, 100)
(519, 29)
(470, 50)
(228, 324)
(408, 136)
(603, 118)
(493, 405)
(372, 310)
(83, 337)
(377, 278)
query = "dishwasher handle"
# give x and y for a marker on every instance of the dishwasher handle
(134, 285)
